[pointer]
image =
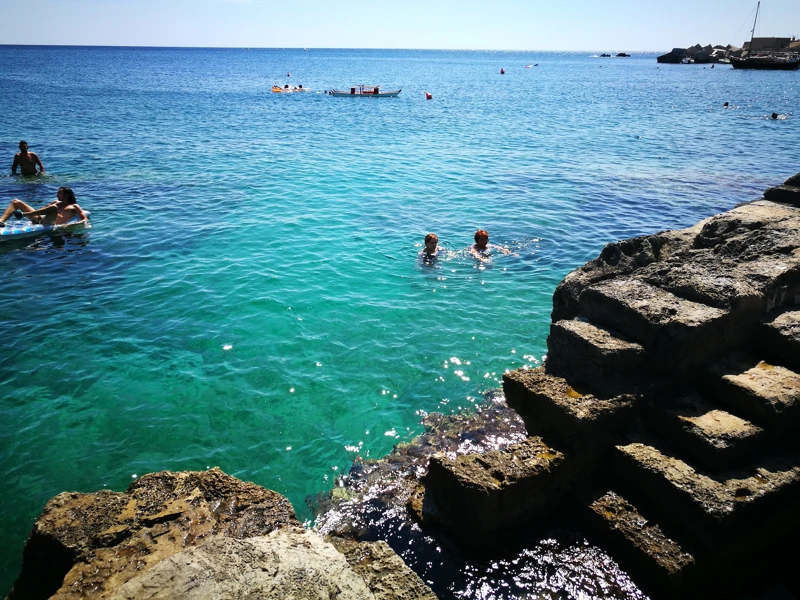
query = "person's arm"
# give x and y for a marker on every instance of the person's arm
(38, 162)
(84, 217)
(14, 166)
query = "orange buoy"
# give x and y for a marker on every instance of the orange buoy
(428, 96)
(502, 71)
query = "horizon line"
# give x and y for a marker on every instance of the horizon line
(317, 48)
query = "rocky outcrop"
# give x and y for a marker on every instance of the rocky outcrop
(670, 403)
(698, 54)
(197, 535)
(461, 550)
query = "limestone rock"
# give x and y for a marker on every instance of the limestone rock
(288, 563)
(384, 572)
(619, 258)
(96, 542)
(784, 193)
(199, 535)
(482, 495)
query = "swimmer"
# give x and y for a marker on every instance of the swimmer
(481, 248)
(63, 210)
(26, 161)
(431, 249)
(725, 105)
(774, 116)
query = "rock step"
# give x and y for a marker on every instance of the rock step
(701, 433)
(676, 333)
(767, 394)
(756, 509)
(583, 423)
(640, 546)
(485, 498)
(784, 193)
(595, 355)
(778, 335)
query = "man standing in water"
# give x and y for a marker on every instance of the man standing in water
(61, 211)
(26, 161)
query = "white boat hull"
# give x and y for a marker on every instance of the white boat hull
(358, 94)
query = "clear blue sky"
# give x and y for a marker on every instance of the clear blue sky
(620, 25)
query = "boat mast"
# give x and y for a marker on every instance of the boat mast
(753, 33)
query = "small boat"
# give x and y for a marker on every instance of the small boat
(365, 91)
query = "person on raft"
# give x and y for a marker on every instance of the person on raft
(62, 210)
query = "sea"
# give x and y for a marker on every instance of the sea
(249, 294)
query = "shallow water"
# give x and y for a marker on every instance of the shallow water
(249, 296)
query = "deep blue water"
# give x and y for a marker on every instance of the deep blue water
(248, 295)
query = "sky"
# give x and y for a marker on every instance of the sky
(608, 25)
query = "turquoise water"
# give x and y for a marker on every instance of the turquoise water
(248, 295)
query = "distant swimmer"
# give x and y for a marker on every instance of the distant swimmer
(431, 249)
(63, 210)
(502, 71)
(774, 115)
(481, 249)
(725, 105)
(26, 161)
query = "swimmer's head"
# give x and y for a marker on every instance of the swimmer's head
(431, 241)
(23, 145)
(481, 233)
(66, 195)
(725, 105)
(774, 115)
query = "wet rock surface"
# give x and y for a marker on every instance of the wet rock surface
(385, 499)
